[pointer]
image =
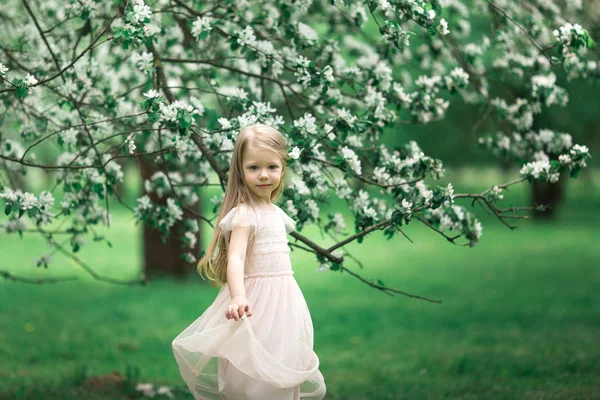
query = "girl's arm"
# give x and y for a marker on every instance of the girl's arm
(236, 257)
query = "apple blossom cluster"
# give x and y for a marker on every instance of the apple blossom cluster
(179, 115)
(158, 216)
(201, 27)
(160, 184)
(310, 76)
(495, 194)
(351, 158)
(37, 208)
(544, 90)
(130, 144)
(421, 12)
(144, 62)
(81, 8)
(135, 26)
(13, 149)
(571, 38)
(455, 219)
(519, 114)
(576, 68)
(545, 153)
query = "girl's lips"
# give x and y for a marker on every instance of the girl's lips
(263, 186)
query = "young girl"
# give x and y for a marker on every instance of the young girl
(256, 340)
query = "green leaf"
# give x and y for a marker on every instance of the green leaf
(21, 91)
(427, 7)
(66, 106)
(393, 23)
(7, 209)
(574, 173)
(588, 39)
(153, 117)
(185, 121)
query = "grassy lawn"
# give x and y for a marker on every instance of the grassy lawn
(519, 317)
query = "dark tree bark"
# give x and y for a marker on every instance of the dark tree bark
(549, 194)
(164, 259)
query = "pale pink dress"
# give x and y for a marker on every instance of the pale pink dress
(268, 355)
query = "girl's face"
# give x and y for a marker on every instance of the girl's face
(262, 171)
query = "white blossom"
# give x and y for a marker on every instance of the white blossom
(295, 153)
(328, 74)
(323, 267)
(566, 33)
(307, 33)
(146, 389)
(339, 223)
(478, 230)
(307, 122)
(165, 390)
(69, 136)
(564, 159)
(246, 37)
(347, 116)
(46, 200)
(442, 27)
(28, 201)
(152, 94)
(300, 187)
(141, 11)
(30, 80)
(312, 208)
(407, 206)
(352, 159)
(342, 189)
(144, 62)
(190, 239)
(225, 123)
(290, 208)
(369, 212)
(173, 209)
(202, 24)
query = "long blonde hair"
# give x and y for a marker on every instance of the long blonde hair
(213, 264)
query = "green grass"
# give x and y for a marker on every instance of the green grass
(519, 318)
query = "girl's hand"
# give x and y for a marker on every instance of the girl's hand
(239, 305)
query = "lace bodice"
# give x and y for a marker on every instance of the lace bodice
(270, 256)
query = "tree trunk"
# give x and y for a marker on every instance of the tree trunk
(549, 194)
(164, 259)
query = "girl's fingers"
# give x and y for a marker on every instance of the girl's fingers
(236, 312)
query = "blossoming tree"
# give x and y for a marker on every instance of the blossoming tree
(171, 82)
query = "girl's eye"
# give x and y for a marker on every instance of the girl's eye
(273, 166)
(253, 167)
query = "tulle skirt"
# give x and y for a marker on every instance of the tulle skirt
(266, 356)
